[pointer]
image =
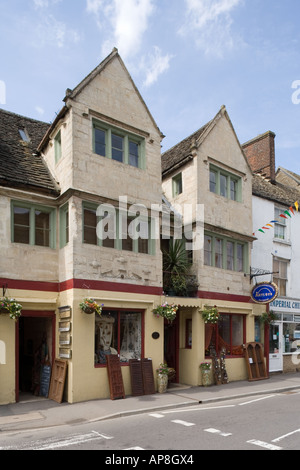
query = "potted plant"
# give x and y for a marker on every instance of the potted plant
(166, 311)
(89, 306)
(192, 286)
(268, 317)
(164, 374)
(12, 307)
(175, 266)
(205, 368)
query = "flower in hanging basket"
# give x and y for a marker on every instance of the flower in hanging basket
(210, 314)
(166, 311)
(12, 307)
(205, 366)
(90, 306)
(268, 317)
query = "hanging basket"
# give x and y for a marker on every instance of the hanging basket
(89, 306)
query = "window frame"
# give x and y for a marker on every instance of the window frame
(280, 224)
(177, 185)
(278, 279)
(119, 311)
(224, 252)
(32, 223)
(127, 138)
(215, 329)
(215, 186)
(64, 225)
(118, 241)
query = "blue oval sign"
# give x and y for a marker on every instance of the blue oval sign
(264, 292)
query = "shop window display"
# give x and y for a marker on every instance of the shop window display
(229, 333)
(118, 332)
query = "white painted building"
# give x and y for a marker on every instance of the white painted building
(276, 251)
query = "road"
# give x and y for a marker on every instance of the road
(266, 422)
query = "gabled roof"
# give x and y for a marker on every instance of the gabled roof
(287, 177)
(72, 94)
(181, 153)
(20, 164)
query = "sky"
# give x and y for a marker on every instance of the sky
(186, 57)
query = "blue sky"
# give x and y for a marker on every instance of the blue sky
(187, 58)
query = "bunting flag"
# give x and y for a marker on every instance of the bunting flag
(285, 215)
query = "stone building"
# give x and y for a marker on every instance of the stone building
(93, 165)
(209, 170)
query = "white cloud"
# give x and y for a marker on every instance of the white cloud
(210, 21)
(155, 65)
(124, 21)
(40, 110)
(49, 30)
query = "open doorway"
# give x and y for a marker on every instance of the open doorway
(36, 345)
(171, 346)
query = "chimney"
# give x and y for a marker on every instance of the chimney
(260, 153)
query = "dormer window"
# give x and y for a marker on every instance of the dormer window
(24, 135)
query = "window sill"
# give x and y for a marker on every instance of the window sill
(282, 242)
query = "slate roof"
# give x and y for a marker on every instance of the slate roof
(177, 155)
(20, 164)
(276, 192)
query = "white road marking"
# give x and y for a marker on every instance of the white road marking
(265, 445)
(257, 399)
(73, 440)
(184, 423)
(217, 431)
(183, 410)
(285, 435)
(134, 448)
(156, 415)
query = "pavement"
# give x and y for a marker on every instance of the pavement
(38, 412)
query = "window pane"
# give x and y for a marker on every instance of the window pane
(212, 181)
(130, 336)
(223, 185)
(118, 333)
(224, 333)
(218, 253)
(177, 185)
(21, 225)
(237, 330)
(90, 223)
(133, 154)
(240, 258)
(207, 250)
(117, 147)
(230, 256)
(100, 148)
(109, 230)
(233, 189)
(126, 238)
(143, 241)
(42, 228)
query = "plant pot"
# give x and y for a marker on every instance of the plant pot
(206, 377)
(88, 310)
(162, 383)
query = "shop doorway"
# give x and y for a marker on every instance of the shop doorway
(275, 347)
(171, 345)
(35, 347)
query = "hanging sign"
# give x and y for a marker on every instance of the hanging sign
(264, 292)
